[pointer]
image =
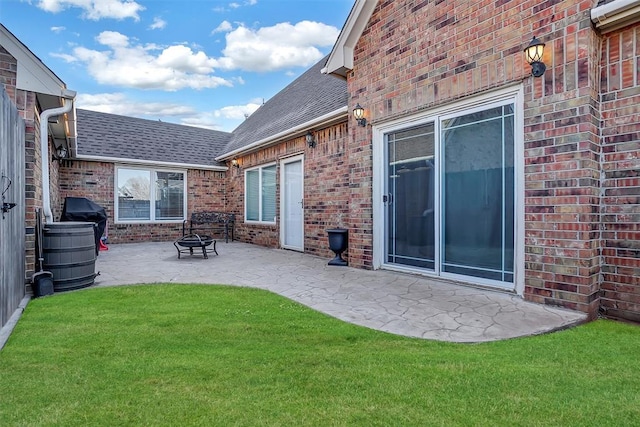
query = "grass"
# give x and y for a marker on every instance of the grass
(212, 355)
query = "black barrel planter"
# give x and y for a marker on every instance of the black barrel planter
(70, 254)
(338, 243)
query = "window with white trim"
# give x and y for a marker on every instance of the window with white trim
(150, 195)
(260, 194)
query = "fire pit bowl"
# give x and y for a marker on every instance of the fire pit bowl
(186, 244)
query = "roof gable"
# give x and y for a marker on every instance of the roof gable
(110, 137)
(32, 74)
(341, 56)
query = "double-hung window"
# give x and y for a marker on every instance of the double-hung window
(260, 194)
(145, 195)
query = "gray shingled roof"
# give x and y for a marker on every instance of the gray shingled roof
(310, 96)
(111, 135)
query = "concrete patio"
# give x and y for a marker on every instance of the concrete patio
(398, 303)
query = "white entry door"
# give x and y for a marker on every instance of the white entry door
(292, 204)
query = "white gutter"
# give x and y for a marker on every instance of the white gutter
(90, 158)
(274, 138)
(68, 97)
(616, 14)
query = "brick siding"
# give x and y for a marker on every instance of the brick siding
(95, 181)
(620, 209)
(326, 192)
(414, 56)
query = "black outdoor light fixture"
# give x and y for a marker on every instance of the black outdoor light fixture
(311, 142)
(60, 154)
(533, 52)
(235, 163)
(358, 113)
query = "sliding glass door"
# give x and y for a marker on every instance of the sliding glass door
(449, 196)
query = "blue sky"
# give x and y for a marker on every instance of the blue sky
(196, 62)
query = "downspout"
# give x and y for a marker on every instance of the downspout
(68, 98)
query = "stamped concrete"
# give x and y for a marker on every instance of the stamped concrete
(398, 303)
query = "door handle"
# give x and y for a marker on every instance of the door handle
(387, 198)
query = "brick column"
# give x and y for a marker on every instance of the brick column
(562, 174)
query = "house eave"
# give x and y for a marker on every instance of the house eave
(341, 57)
(615, 15)
(325, 120)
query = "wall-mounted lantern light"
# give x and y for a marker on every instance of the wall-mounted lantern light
(311, 142)
(235, 163)
(358, 113)
(533, 53)
(60, 154)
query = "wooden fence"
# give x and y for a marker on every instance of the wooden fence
(12, 222)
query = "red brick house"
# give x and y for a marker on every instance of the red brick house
(471, 169)
(291, 182)
(129, 165)
(466, 168)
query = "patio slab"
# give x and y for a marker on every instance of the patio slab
(397, 303)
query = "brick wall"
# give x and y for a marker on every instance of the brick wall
(620, 83)
(95, 181)
(414, 56)
(326, 190)
(562, 168)
(326, 193)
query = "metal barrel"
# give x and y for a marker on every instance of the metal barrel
(70, 254)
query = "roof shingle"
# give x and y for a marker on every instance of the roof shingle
(309, 97)
(114, 136)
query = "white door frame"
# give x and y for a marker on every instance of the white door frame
(283, 201)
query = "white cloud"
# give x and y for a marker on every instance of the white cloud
(118, 103)
(95, 9)
(280, 46)
(65, 57)
(226, 118)
(202, 120)
(158, 24)
(147, 66)
(237, 112)
(225, 26)
(234, 5)
(58, 30)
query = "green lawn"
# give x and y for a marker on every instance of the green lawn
(218, 356)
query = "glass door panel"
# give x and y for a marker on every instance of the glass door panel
(410, 197)
(478, 194)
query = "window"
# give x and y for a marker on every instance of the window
(136, 195)
(260, 194)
